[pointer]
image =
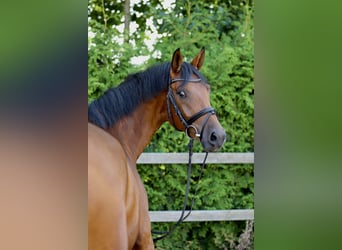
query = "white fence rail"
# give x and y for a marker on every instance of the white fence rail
(203, 215)
(179, 158)
(197, 158)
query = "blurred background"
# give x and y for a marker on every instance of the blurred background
(43, 125)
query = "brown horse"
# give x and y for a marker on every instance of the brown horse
(122, 122)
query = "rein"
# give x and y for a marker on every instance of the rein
(187, 123)
(187, 189)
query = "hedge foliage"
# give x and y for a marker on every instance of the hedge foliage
(226, 31)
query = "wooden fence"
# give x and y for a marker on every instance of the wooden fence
(197, 158)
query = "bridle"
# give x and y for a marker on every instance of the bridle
(187, 123)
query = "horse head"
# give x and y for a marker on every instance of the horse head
(188, 102)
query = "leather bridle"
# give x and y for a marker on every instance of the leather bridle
(187, 123)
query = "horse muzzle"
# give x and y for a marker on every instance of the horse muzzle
(213, 138)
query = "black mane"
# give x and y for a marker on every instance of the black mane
(135, 89)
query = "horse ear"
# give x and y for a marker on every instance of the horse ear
(177, 61)
(198, 61)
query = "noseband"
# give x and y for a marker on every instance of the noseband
(187, 123)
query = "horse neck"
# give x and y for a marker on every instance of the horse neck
(135, 131)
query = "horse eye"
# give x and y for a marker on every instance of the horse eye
(181, 94)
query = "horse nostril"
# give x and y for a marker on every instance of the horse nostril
(213, 136)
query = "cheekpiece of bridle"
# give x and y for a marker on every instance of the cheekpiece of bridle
(187, 123)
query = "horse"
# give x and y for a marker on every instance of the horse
(121, 123)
